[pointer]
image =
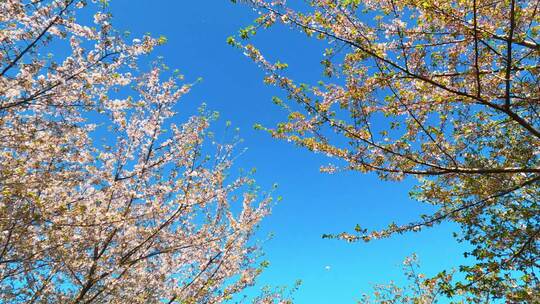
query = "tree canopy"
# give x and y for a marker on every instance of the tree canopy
(102, 198)
(447, 92)
(107, 196)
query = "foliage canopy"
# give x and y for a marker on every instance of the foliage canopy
(447, 92)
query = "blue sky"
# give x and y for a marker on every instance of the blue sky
(313, 203)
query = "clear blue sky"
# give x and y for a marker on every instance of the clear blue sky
(313, 203)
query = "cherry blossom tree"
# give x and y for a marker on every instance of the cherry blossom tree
(103, 199)
(419, 291)
(447, 92)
